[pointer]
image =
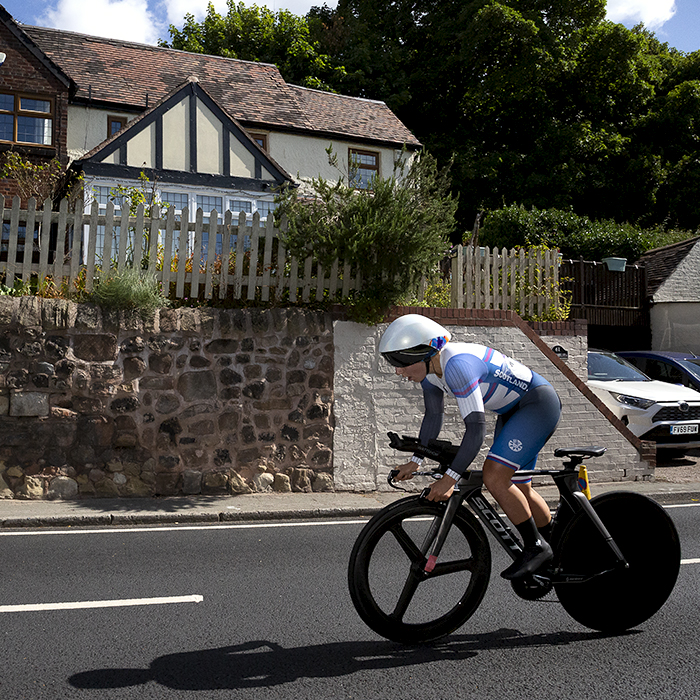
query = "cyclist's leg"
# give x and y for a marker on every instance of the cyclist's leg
(538, 506)
(498, 480)
(517, 442)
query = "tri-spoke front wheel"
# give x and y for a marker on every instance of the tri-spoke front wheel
(388, 583)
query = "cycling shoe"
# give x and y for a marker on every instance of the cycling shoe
(529, 561)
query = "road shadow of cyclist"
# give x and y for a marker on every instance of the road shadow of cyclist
(265, 664)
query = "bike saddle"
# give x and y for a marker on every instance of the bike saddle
(580, 451)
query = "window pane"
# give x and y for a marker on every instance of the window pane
(238, 205)
(209, 203)
(7, 103)
(30, 105)
(265, 208)
(363, 168)
(34, 130)
(177, 199)
(6, 124)
(364, 159)
(114, 126)
(362, 178)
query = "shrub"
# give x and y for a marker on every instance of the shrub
(392, 234)
(129, 289)
(575, 236)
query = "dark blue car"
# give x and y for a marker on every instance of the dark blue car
(673, 367)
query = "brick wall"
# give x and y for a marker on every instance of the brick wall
(370, 400)
(23, 72)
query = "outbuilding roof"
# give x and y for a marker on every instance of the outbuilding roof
(662, 262)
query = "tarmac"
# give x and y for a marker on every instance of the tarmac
(263, 507)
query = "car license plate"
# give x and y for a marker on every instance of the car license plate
(684, 429)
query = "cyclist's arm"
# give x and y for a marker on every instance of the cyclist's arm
(434, 400)
(463, 374)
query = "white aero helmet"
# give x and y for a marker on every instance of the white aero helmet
(412, 338)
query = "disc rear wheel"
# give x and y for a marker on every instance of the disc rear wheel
(621, 598)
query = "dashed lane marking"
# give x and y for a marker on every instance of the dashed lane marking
(84, 604)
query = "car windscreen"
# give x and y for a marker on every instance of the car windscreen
(693, 366)
(608, 368)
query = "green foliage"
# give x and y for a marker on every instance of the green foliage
(19, 289)
(558, 109)
(131, 290)
(575, 236)
(254, 33)
(392, 234)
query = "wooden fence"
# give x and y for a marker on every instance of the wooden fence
(606, 297)
(217, 257)
(524, 280)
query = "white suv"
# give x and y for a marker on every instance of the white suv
(664, 413)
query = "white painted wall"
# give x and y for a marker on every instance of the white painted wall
(87, 128)
(303, 156)
(371, 400)
(683, 285)
(676, 326)
(306, 157)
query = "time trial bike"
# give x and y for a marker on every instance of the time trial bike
(616, 556)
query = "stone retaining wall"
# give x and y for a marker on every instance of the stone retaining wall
(209, 401)
(191, 401)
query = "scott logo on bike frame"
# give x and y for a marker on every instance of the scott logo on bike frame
(497, 524)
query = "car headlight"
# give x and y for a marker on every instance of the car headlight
(633, 401)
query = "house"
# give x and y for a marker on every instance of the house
(211, 132)
(673, 289)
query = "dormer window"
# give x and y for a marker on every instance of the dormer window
(26, 119)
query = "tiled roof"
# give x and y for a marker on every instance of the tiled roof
(136, 76)
(329, 112)
(661, 262)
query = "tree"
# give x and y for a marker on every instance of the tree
(258, 34)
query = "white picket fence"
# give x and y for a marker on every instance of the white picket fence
(241, 259)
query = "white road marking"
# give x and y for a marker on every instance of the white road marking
(172, 528)
(690, 561)
(81, 605)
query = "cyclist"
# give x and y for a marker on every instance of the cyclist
(480, 378)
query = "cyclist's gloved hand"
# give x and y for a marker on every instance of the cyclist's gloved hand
(405, 471)
(442, 489)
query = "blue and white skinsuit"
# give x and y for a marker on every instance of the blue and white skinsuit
(480, 378)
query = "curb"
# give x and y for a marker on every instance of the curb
(673, 494)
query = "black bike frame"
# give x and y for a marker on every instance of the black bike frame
(469, 490)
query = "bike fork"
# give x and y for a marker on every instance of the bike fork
(433, 553)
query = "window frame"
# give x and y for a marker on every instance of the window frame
(18, 112)
(354, 167)
(111, 119)
(257, 137)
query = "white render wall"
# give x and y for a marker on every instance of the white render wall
(371, 400)
(87, 128)
(675, 326)
(306, 157)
